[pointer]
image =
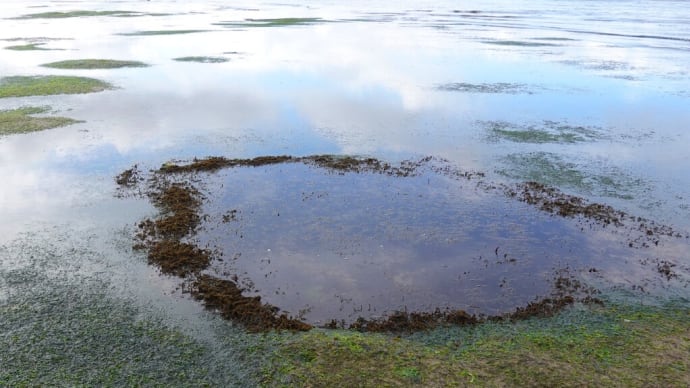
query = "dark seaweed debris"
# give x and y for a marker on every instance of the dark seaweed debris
(340, 164)
(129, 177)
(665, 268)
(552, 200)
(226, 297)
(216, 163)
(402, 321)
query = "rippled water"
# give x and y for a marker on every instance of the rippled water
(591, 97)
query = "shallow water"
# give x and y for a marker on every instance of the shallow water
(389, 81)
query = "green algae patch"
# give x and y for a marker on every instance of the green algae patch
(202, 59)
(160, 32)
(84, 13)
(22, 86)
(22, 120)
(517, 43)
(279, 22)
(28, 47)
(583, 346)
(94, 64)
(547, 132)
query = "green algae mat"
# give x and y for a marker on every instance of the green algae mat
(94, 64)
(201, 59)
(85, 13)
(23, 86)
(21, 120)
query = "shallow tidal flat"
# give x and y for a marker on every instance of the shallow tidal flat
(315, 194)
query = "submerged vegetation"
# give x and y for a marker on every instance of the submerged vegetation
(21, 120)
(547, 132)
(84, 13)
(552, 170)
(160, 32)
(28, 47)
(94, 64)
(279, 22)
(491, 88)
(202, 59)
(519, 43)
(22, 86)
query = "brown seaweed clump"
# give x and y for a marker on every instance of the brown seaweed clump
(543, 308)
(177, 258)
(226, 297)
(180, 207)
(215, 163)
(129, 177)
(552, 200)
(340, 164)
(402, 321)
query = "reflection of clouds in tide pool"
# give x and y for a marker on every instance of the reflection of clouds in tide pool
(368, 244)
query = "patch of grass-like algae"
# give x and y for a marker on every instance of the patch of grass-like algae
(22, 86)
(21, 120)
(94, 64)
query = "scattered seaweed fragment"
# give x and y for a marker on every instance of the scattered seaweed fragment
(129, 177)
(665, 268)
(94, 64)
(21, 120)
(23, 86)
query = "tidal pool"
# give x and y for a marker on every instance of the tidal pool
(329, 239)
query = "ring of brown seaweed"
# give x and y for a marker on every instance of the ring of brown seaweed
(166, 241)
